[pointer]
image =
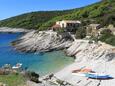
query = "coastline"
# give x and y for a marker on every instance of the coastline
(97, 56)
(102, 64)
(41, 63)
(65, 44)
(67, 76)
(58, 62)
(42, 41)
(13, 30)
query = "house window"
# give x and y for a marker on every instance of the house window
(67, 24)
(63, 25)
(70, 24)
(74, 25)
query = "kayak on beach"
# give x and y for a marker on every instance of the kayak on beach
(98, 76)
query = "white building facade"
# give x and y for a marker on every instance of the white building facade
(68, 23)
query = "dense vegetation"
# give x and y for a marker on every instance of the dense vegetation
(12, 80)
(32, 76)
(31, 20)
(101, 12)
(80, 32)
(107, 37)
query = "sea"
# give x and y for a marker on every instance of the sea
(43, 64)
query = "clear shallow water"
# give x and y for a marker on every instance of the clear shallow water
(42, 64)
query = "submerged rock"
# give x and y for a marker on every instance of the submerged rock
(42, 41)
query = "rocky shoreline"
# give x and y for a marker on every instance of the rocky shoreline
(13, 30)
(100, 57)
(42, 41)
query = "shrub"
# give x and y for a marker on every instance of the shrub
(81, 33)
(107, 37)
(32, 76)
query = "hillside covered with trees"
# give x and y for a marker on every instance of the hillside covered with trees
(31, 20)
(102, 12)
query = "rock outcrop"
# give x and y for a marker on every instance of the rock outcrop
(99, 57)
(13, 30)
(42, 41)
(83, 50)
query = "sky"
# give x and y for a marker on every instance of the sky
(9, 8)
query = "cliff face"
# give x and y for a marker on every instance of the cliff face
(85, 51)
(82, 50)
(42, 41)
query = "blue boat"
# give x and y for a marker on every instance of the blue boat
(98, 76)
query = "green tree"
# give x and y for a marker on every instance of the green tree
(81, 33)
(107, 37)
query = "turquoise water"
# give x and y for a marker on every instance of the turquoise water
(41, 63)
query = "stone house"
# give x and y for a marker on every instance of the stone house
(93, 29)
(68, 25)
(112, 28)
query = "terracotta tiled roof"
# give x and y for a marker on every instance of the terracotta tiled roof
(56, 26)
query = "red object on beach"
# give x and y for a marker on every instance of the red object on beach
(85, 70)
(76, 71)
